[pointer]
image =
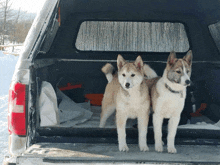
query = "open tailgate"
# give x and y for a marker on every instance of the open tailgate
(75, 153)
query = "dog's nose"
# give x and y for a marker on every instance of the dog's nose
(127, 85)
(187, 82)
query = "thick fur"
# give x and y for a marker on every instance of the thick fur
(149, 72)
(168, 98)
(128, 94)
(107, 69)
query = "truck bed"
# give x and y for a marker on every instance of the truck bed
(94, 121)
(93, 145)
(200, 122)
(67, 153)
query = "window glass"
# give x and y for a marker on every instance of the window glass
(132, 36)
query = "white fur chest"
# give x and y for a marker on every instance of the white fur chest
(132, 102)
(168, 103)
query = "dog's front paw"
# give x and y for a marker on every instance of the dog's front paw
(123, 148)
(159, 147)
(171, 150)
(144, 148)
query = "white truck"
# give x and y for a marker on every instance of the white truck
(57, 87)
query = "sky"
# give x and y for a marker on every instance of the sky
(31, 6)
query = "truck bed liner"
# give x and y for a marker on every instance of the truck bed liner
(203, 122)
(109, 153)
(95, 120)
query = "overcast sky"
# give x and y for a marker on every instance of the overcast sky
(31, 6)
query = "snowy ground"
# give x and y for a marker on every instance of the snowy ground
(7, 66)
(14, 50)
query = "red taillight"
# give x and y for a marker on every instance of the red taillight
(16, 109)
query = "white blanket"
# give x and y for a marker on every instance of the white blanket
(68, 113)
(47, 105)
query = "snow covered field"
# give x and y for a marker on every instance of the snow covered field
(7, 66)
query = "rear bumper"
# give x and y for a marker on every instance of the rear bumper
(9, 160)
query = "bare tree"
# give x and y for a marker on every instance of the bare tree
(5, 16)
(14, 24)
(20, 31)
(13, 29)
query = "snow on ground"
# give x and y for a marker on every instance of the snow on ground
(13, 50)
(7, 66)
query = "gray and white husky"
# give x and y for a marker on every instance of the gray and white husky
(168, 95)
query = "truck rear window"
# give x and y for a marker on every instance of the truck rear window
(132, 36)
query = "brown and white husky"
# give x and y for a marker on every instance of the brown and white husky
(128, 94)
(168, 95)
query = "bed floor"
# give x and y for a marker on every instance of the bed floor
(201, 122)
(93, 122)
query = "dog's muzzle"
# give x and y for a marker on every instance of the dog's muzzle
(188, 82)
(127, 85)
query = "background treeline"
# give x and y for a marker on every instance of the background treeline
(14, 24)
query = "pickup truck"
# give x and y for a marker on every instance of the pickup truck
(56, 91)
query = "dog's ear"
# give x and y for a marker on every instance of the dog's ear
(139, 62)
(120, 62)
(188, 57)
(172, 58)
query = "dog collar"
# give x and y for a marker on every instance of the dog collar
(173, 91)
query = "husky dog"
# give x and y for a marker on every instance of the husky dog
(128, 94)
(168, 95)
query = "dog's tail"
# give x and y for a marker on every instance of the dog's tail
(149, 72)
(108, 71)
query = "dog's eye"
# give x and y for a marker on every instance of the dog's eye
(132, 75)
(178, 72)
(123, 75)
